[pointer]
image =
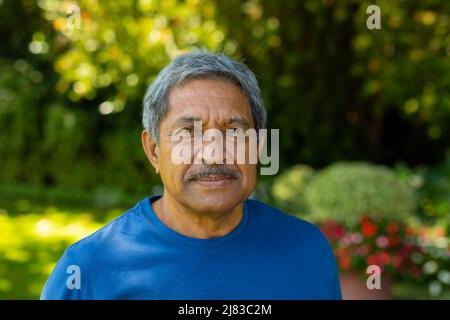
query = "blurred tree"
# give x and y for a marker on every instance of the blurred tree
(340, 91)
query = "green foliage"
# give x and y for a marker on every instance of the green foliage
(71, 98)
(340, 91)
(288, 188)
(412, 291)
(344, 191)
(34, 238)
(122, 45)
(434, 193)
(432, 185)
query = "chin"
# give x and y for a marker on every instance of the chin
(215, 201)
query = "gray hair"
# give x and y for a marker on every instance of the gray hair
(200, 64)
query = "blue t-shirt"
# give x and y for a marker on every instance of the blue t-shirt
(269, 255)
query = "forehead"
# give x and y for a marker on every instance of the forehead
(208, 99)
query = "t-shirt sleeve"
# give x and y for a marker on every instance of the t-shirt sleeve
(67, 280)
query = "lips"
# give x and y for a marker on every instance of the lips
(214, 180)
(213, 177)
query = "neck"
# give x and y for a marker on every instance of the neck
(193, 224)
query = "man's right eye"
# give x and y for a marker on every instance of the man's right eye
(188, 129)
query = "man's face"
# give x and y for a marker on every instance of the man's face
(206, 187)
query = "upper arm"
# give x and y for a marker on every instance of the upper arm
(67, 280)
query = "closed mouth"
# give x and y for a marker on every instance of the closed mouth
(214, 177)
(214, 180)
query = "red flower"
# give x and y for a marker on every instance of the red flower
(410, 231)
(397, 262)
(332, 230)
(344, 259)
(368, 228)
(339, 231)
(393, 241)
(380, 259)
(392, 228)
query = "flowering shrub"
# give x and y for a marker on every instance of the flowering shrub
(388, 244)
(417, 256)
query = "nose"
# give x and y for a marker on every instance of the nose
(211, 148)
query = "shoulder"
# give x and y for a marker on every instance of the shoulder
(287, 226)
(89, 257)
(106, 237)
(302, 241)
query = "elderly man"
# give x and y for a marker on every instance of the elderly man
(202, 238)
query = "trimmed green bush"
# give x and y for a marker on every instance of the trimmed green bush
(345, 190)
(289, 188)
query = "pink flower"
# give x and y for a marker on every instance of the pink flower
(382, 241)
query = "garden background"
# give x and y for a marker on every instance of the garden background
(363, 116)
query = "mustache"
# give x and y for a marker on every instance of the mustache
(209, 170)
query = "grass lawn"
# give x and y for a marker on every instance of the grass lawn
(34, 236)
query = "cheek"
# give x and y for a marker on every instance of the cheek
(171, 173)
(248, 174)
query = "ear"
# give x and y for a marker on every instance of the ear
(151, 149)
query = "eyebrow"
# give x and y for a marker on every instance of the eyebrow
(185, 121)
(189, 121)
(239, 121)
